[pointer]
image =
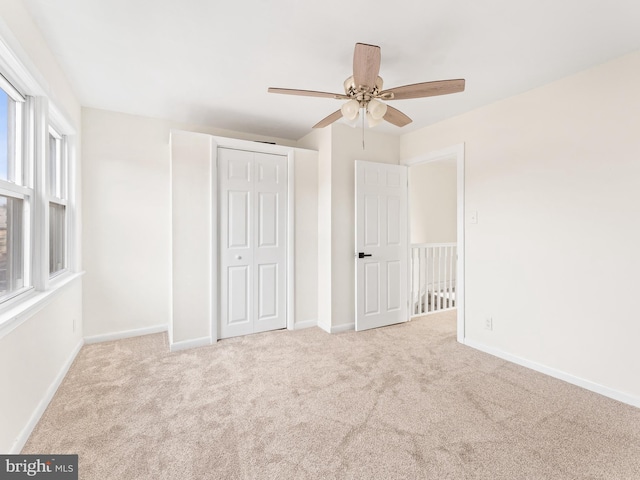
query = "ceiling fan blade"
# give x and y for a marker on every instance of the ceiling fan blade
(337, 115)
(366, 64)
(308, 93)
(396, 117)
(425, 89)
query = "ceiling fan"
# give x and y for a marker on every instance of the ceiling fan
(363, 90)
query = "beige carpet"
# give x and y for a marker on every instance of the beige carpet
(402, 402)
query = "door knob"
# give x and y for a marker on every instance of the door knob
(362, 254)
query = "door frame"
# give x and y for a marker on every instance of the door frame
(289, 152)
(453, 152)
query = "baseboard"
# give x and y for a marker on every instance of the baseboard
(186, 344)
(343, 328)
(559, 374)
(305, 324)
(20, 442)
(326, 328)
(107, 337)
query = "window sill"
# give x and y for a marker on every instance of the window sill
(19, 312)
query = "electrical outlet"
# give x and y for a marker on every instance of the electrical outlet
(488, 323)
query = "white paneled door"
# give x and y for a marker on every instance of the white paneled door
(382, 246)
(253, 234)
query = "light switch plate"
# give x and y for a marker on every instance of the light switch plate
(473, 217)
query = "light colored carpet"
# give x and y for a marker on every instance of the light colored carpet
(402, 402)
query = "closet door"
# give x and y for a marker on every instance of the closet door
(270, 249)
(253, 222)
(236, 232)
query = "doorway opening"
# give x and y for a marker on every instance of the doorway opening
(436, 225)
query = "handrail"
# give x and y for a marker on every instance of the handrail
(422, 245)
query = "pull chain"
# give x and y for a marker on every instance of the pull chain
(363, 113)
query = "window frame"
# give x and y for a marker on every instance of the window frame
(59, 195)
(38, 115)
(18, 183)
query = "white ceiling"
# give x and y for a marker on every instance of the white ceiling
(210, 62)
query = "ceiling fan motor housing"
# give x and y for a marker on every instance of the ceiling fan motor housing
(362, 93)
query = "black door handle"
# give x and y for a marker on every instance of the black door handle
(362, 254)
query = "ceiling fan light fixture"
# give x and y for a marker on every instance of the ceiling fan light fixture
(371, 121)
(376, 109)
(350, 109)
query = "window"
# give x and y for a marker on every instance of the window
(15, 196)
(11, 245)
(10, 135)
(36, 196)
(56, 173)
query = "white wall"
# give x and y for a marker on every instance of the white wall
(433, 202)
(191, 237)
(127, 220)
(126, 223)
(554, 175)
(339, 147)
(34, 355)
(306, 237)
(346, 148)
(191, 203)
(320, 140)
(33, 360)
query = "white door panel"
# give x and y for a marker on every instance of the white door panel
(238, 168)
(393, 285)
(394, 179)
(381, 234)
(253, 219)
(238, 219)
(371, 221)
(270, 246)
(267, 291)
(372, 288)
(238, 294)
(394, 210)
(267, 219)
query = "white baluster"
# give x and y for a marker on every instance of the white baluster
(451, 281)
(413, 281)
(445, 293)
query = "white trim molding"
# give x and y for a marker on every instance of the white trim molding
(187, 344)
(22, 308)
(247, 145)
(305, 324)
(16, 64)
(454, 152)
(214, 303)
(291, 241)
(345, 327)
(324, 327)
(20, 442)
(136, 332)
(559, 374)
